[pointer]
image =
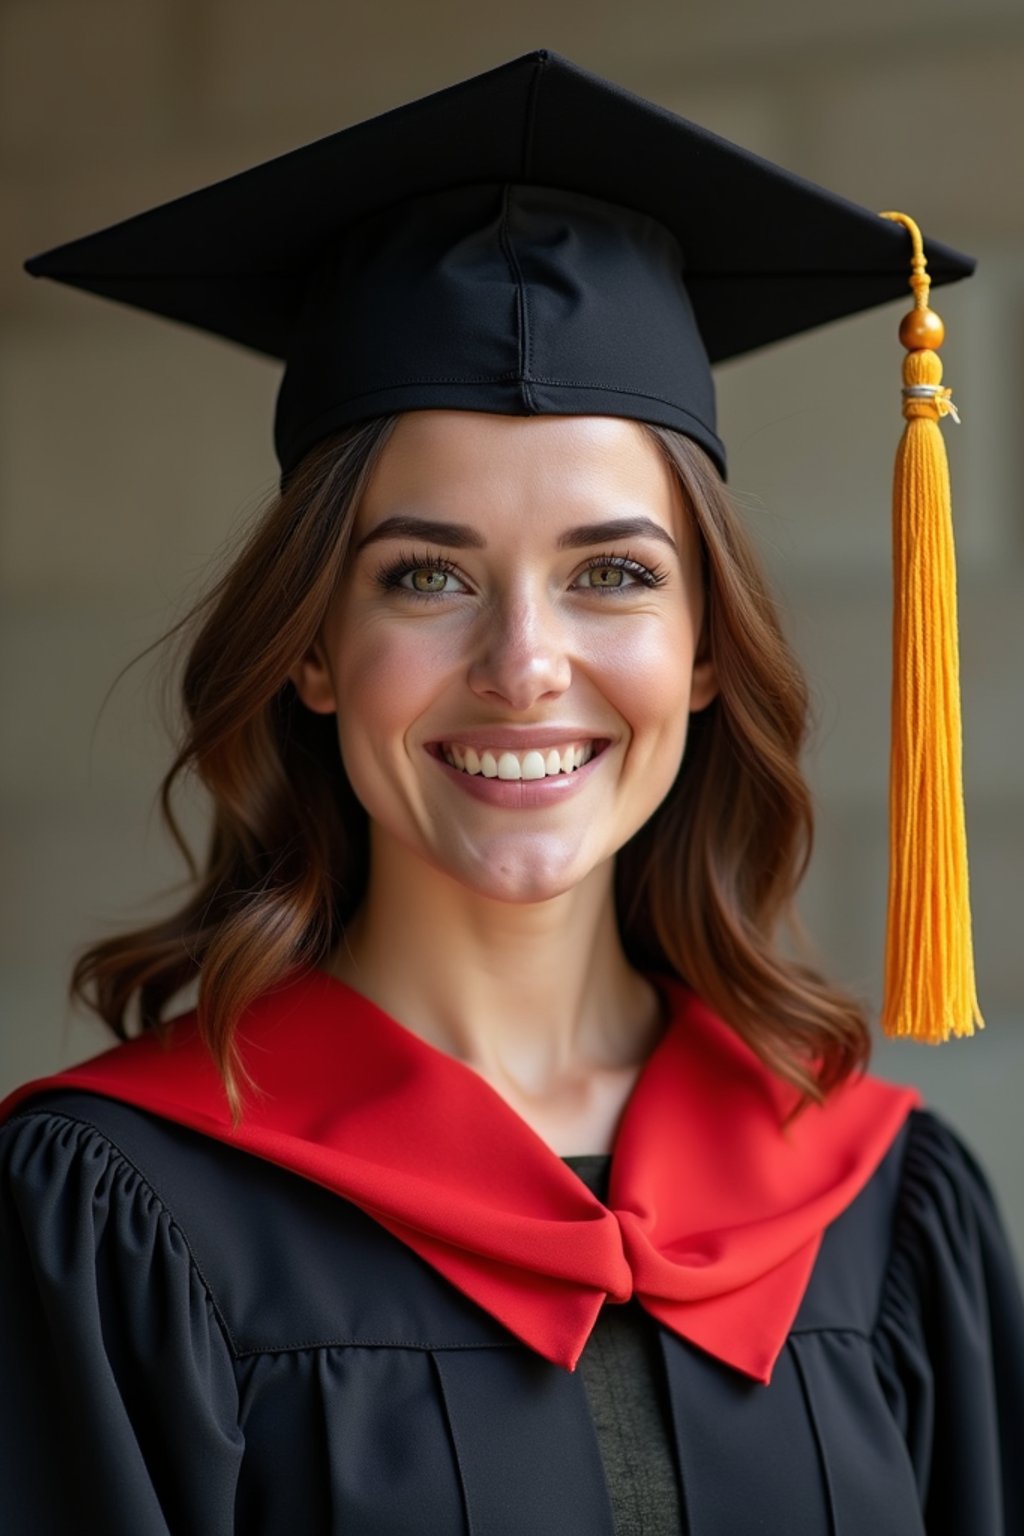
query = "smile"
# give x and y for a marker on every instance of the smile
(533, 763)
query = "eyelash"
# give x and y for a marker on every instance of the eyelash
(389, 575)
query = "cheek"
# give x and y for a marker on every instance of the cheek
(386, 677)
(645, 671)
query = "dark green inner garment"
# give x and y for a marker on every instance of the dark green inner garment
(625, 1381)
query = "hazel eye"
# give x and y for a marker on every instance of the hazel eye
(421, 576)
(604, 576)
(424, 579)
(617, 573)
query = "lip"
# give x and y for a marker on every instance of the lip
(520, 794)
(520, 738)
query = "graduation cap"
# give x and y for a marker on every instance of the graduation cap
(537, 240)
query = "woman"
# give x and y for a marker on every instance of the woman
(507, 1177)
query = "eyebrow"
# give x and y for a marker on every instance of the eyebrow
(616, 528)
(458, 536)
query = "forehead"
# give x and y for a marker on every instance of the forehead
(487, 468)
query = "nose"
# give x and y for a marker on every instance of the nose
(522, 655)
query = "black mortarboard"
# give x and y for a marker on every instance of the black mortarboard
(538, 240)
(532, 240)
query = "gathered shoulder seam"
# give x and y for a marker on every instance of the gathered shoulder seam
(921, 1123)
(118, 1155)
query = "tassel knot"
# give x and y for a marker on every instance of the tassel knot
(923, 391)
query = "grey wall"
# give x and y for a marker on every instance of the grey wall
(132, 452)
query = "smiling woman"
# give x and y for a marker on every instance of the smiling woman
(520, 653)
(510, 1175)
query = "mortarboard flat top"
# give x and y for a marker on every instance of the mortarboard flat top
(533, 239)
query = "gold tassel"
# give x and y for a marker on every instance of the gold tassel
(929, 964)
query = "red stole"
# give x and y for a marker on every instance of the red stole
(714, 1216)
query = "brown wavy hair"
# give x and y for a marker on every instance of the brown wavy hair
(704, 890)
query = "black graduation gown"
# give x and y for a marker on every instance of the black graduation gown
(198, 1342)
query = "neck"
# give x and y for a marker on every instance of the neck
(537, 997)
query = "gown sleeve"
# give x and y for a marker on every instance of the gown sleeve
(950, 1340)
(118, 1408)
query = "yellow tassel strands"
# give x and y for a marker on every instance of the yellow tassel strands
(929, 964)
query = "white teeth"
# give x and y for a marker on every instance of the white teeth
(532, 764)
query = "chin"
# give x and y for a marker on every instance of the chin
(520, 877)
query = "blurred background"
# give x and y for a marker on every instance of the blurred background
(132, 452)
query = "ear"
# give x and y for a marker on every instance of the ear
(704, 683)
(313, 681)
